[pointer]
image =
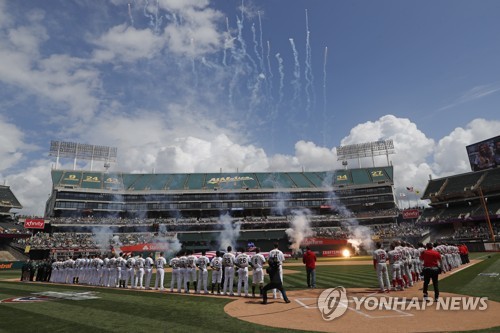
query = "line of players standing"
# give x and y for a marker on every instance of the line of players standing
(188, 271)
(406, 266)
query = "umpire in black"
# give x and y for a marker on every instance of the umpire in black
(275, 281)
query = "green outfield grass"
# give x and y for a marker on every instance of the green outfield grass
(133, 311)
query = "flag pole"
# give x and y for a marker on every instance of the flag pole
(483, 201)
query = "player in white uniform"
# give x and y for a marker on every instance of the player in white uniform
(202, 263)
(395, 263)
(160, 272)
(139, 272)
(181, 278)
(228, 264)
(130, 271)
(279, 258)
(380, 264)
(105, 271)
(112, 272)
(216, 265)
(242, 261)
(148, 270)
(190, 272)
(257, 262)
(120, 264)
(175, 264)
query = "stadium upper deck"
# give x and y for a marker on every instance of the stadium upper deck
(8, 201)
(208, 194)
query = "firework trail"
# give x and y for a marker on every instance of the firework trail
(261, 46)
(282, 77)
(308, 73)
(130, 14)
(255, 48)
(296, 74)
(324, 95)
(146, 13)
(158, 18)
(269, 67)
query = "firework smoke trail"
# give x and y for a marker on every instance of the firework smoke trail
(308, 73)
(299, 229)
(130, 14)
(282, 77)
(269, 66)
(227, 43)
(244, 53)
(324, 95)
(296, 75)
(193, 63)
(151, 17)
(255, 48)
(230, 232)
(261, 46)
(158, 19)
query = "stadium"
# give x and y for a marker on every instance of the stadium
(338, 214)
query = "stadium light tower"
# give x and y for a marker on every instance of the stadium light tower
(368, 149)
(84, 152)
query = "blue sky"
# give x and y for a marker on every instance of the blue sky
(195, 86)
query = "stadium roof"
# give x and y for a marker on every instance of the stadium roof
(8, 200)
(463, 185)
(119, 181)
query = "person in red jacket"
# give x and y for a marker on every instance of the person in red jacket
(432, 262)
(309, 259)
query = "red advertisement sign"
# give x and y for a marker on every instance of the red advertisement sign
(322, 241)
(332, 253)
(34, 223)
(411, 214)
(153, 247)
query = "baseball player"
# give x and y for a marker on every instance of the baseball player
(182, 272)
(120, 263)
(139, 272)
(112, 272)
(190, 271)
(379, 263)
(130, 271)
(148, 270)
(160, 272)
(216, 265)
(175, 264)
(242, 261)
(278, 258)
(202, 263)
(257, 262)
(228, 264)
(395, 263)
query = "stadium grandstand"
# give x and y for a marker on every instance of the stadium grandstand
(87, 208)
(10, 229)
(464, 208)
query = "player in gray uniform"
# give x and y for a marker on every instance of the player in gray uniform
(190, 271)
(242, 262)
(380, 264)
(160, 272)
(228, 264)
(175, 264)
(202, 262)
(395, 263)
(216, 265)
(148, 270)
(139, 272)
(257, 262)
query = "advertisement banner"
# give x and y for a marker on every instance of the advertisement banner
(34, 224)
(309, 241)
(153, 247)
(409, 214)
(331, 253)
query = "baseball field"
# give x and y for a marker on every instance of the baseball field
(39, 307)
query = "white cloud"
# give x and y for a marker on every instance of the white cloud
(127, 44)
(12, 144)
